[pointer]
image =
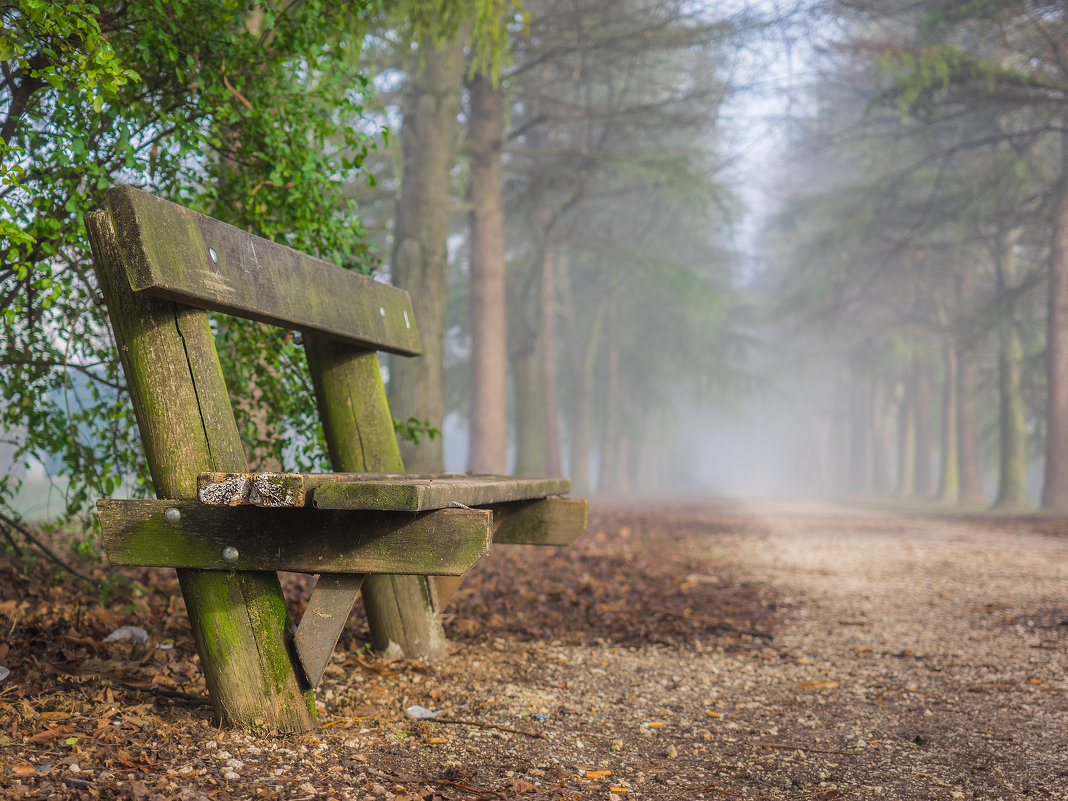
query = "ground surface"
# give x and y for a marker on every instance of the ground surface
(699, 650)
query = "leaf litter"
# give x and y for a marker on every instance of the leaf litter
(684, 651)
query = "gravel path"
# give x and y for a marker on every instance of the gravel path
(910, 657)
(701, 650)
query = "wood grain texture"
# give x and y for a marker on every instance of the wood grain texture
(166, 253)
(187, 426)
(372, 491)
(553, 521)
(324, 618)
(358, 428)
(445, 542)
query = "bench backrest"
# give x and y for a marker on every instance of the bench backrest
(159, 261)
(172, 252)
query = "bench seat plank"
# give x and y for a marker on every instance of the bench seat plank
(178, 254)
(551, 521)
(446, 542)
(372, 491)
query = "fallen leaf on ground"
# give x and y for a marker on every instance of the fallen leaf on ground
(817, 684)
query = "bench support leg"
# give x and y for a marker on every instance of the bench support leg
(359, 435)
(172, 369)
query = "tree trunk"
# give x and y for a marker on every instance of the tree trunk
(547, 348)
(488, 444)
(906, 441)
(949, 474)
(530, 437)
(858, 480)
(921, 400)
(971, 473)
(581, 353)
(1012, 462)
(609, 429)
(1055, 482)
(879, 425)
(428, 141)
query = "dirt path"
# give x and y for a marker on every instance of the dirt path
(701, 650)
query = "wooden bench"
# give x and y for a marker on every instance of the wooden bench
(226, 530)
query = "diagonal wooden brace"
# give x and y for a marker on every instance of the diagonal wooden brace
(317, 633)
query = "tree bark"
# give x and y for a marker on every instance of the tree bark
(879, 425)
(1012, 462)
(419, 263)
(949, 474)
(921, 400)
(609, 430)
(488, 443)
(530, 437)
(547, 348)
(906, 441)
(971, 474)
(1055, 481)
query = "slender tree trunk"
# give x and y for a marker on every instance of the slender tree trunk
(879, 424)
(949, 474)
(582, 352)
(906, 441)
(1055, 482)
(921, 399)
(547, 348)
(609, 432)
(488, 445)
(971, 474)
(1012, 463)
(858, 482)
(428, 140)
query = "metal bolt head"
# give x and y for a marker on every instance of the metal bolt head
(172, 515)
(230, 554)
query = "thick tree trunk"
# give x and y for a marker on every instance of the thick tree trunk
(1055, 482)
(1012, 462)
(488, 444)
(400, 610)
(921, 400)
(949, 474)
(428, 140)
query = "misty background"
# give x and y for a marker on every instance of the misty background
(763, 248)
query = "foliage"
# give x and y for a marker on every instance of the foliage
(248, 112)
(491, 23)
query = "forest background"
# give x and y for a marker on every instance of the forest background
(653, 246)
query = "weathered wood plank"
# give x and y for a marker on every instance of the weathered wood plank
(324, 619)
(372, 491)
(445, 542)
(187, 426)
(552, 521)
(415, 495)
(359, 435)
(176, 253)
